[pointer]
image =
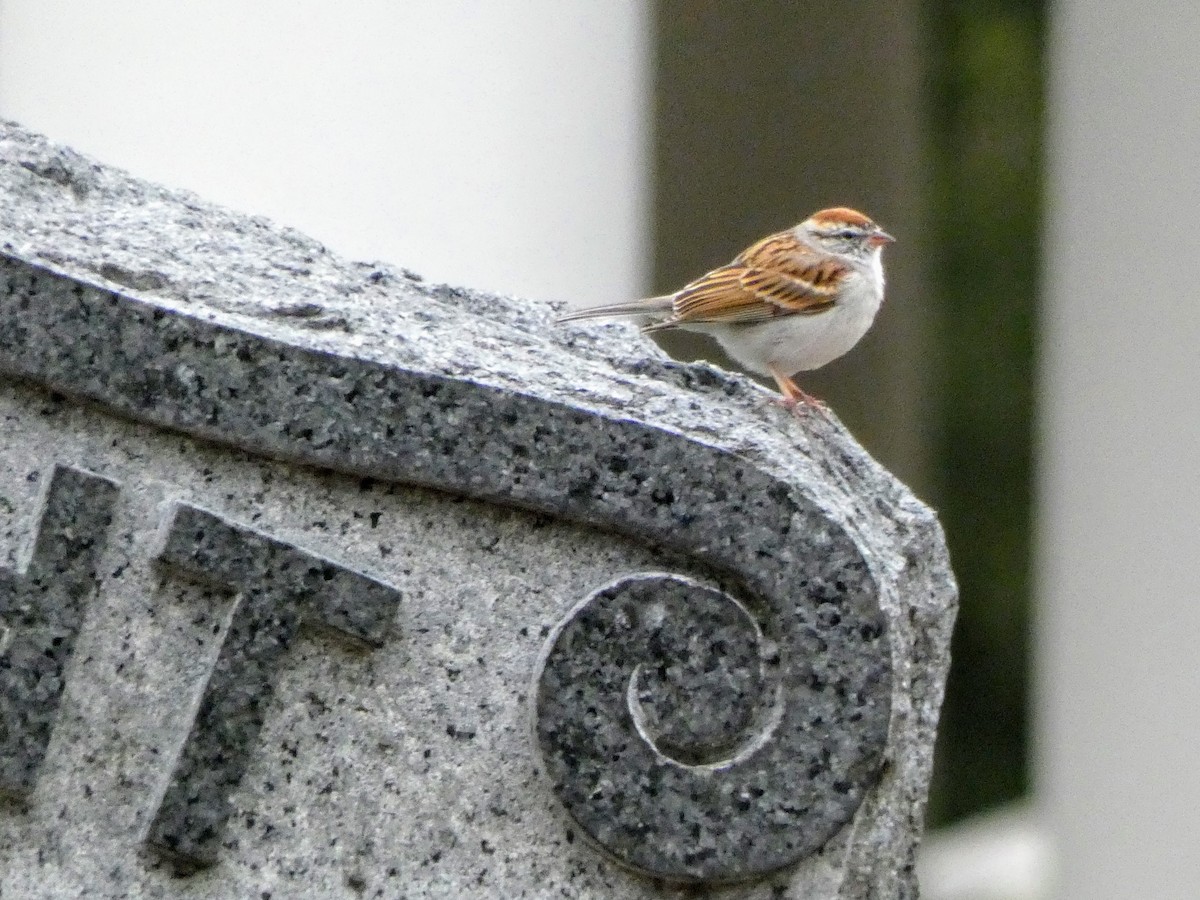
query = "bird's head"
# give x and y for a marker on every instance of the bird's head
(844, 231)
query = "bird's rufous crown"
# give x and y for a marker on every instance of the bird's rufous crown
(840, 215)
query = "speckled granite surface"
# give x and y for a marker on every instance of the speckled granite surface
(350, 585)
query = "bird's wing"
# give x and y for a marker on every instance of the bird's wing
(778, 276)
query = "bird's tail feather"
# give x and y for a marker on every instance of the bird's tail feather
(647, 307)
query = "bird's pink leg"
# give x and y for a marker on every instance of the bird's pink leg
(793, 397)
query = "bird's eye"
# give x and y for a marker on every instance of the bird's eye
(846, 234)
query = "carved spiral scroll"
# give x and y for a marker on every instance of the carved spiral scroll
(691, 743)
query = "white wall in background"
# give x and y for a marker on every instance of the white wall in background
(496, 144)
(1119, 530)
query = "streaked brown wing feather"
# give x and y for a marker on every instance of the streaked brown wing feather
(778, 276)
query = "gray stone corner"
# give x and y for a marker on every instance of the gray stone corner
(319, 580)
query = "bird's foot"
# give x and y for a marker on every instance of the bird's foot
(800, 406)
(799, 402)
(793, 398)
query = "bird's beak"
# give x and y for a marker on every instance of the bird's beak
(880, 239)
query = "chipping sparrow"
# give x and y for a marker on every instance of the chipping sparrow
(792, 302)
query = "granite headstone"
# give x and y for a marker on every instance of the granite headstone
(317, 580)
